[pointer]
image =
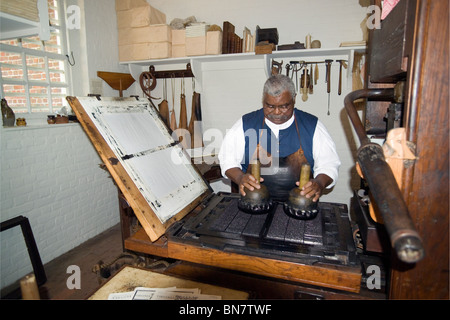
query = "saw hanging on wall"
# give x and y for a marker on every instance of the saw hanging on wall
(195, 127)
(164, 106)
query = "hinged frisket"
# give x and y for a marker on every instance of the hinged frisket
(151, 169)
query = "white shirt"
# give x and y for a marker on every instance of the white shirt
(326, 159)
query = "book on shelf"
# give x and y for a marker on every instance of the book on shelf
(248, 41)
(231, 42)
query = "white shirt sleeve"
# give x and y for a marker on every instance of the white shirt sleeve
(326, 159)
(232, 150)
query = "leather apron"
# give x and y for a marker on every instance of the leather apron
(280, 174)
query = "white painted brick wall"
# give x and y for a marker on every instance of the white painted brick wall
(51, 175)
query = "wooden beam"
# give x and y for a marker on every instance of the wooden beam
(336, 277)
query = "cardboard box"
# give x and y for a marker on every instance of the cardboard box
(160, 50)
(139, 17)
(264, 48)
(179, 37)
(141, 51)
(122, 5)
(126, 53)
(124, 36)
(153, 33)
(145, 51)
(124, 19)
(178, 50)
(214, 42)
(196, 46)
(145, 16)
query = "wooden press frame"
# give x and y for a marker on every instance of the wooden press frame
(149, 220)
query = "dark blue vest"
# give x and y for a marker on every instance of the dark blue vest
(288, 140)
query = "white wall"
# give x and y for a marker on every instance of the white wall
(51, 175)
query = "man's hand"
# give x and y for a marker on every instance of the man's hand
(249, 181)
(314, 187)
(243, 180)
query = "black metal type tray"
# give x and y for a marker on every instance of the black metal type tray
(221, 225)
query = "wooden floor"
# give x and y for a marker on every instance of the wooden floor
(102, 249)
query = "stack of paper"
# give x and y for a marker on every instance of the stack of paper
(197, 29)
(172, 293)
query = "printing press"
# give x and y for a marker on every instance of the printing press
(183, 219)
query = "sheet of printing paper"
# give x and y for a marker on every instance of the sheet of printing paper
(148, 293)
(157, 164)
(173, 293)
(183, 296)
(136, 131)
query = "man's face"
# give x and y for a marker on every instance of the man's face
(278, 109)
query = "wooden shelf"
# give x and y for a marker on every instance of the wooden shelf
(198, 62)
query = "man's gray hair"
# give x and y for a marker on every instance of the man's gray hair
(277, 84)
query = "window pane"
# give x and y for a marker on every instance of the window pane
(36, 62)
(53, 12)
(41, 84)
(12, 72)
(54, 44)
(57, 77)
(38, 91)
(37, 75)
(11, 42)
(58, 103)
(15, 96)
(13, 88)
(32, 43)
(59, 91)
(39, 99)
(59, 97)
(56, 71)
(11, 58)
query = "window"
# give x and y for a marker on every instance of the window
(33, 74)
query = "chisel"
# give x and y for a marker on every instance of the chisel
(328, 77)
(341, 63)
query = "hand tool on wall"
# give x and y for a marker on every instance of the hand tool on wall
(183, 118)
(164, 106)
(196, 117)
(288, 68)
(276, 67)
(310, 80)
(304, 84)
(173, 118)
(148, 82)
(341, 63)
(296, 69)
(316, 74)
(327, 79)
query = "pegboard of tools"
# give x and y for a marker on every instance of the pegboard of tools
(305, 75)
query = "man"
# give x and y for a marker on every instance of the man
(286, 138)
